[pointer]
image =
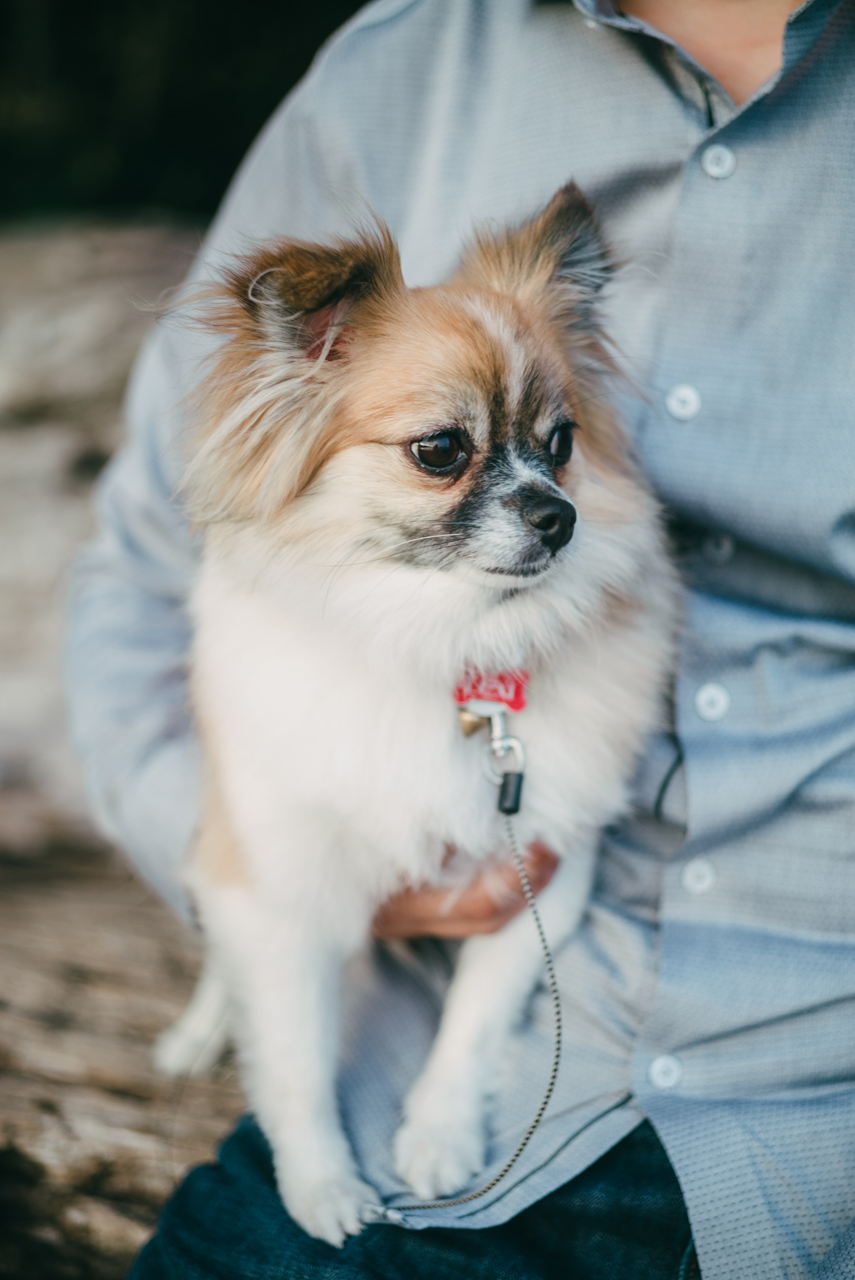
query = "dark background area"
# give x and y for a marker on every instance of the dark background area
(142, 106)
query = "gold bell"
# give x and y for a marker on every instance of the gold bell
(469, 722)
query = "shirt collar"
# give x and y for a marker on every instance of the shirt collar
(804, 28)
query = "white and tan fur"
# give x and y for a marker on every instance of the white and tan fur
(344, 590)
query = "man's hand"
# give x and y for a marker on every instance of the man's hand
(490, 900)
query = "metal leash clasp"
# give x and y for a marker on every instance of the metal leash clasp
(504, 763)
(485, 698)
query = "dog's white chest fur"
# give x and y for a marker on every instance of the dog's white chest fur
(346, 731)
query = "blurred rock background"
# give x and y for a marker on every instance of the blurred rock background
(72, 299)
(119, 128)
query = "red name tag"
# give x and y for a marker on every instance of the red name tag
(507, 687)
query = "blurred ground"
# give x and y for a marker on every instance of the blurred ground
(91, 965)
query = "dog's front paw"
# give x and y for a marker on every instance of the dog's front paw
(437, 1152)
(333, 1208)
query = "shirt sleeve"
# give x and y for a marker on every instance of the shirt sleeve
(128, 630)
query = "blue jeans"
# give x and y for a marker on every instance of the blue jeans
(622, 1219)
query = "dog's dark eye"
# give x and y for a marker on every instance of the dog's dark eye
(439, 452)
(560, 444)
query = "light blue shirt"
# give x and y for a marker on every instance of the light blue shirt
(712, 985)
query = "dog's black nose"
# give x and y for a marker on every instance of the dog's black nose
(553, 518)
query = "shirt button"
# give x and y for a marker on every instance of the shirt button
(698, 876)
(665, 1071)
(718, 548)
(718, 161)
(712, 702)
(683, 402)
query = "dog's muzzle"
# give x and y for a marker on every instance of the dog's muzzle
(552, 518)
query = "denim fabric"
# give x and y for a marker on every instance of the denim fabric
(622, 1219)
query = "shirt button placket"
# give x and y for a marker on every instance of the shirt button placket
(665, 1072)
(718, 161)
(698, 876)
(712, 702)
(683, 402)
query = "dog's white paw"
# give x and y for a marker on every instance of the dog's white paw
(333, 1208)
(437, 1157)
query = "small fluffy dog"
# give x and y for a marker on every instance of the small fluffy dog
(402, 488)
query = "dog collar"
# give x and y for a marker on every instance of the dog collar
(486, 693)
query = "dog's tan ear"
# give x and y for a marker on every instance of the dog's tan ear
(267, 408)
(297, 296)
(558, 257)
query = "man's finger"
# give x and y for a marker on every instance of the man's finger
(540, 864)
(484, 905)
(502, 883)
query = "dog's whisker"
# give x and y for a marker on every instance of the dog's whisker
(387, 557)
(348, 563)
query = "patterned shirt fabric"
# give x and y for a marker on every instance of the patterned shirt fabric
(711, 987)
